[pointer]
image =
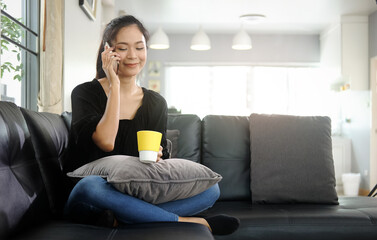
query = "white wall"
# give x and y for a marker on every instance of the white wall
(331, 52)
(373, 87)
(81, 40)
(373, 130)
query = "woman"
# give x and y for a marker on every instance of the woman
(106, 114)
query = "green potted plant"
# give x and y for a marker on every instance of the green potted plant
(13, 31)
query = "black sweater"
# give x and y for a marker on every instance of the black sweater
(88, 106)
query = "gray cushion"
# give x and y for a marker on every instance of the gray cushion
(165, 181)
(291, 159)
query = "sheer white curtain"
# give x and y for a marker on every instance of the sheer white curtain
(207, 90)
(242, 90)
(51, 58)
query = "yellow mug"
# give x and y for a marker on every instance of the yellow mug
(148, 143)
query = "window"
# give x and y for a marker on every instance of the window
(19, 52)
(242, 90)
(208, 90)
(284, 90)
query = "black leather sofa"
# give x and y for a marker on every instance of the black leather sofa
(33, 188)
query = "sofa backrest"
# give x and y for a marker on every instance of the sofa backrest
(32, 184)
(226, 150)
(220, 142)
(189, 127)
(23, 196)
(67, 118)
(189, 140)
(49, 135)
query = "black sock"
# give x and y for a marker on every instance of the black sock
(223, 224)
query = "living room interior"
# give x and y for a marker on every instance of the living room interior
(280, 43)
(309, 49)
(288, 57)
(299, 62)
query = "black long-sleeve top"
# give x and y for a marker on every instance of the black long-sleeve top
(88, 106)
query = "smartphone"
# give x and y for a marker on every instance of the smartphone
(116, 64)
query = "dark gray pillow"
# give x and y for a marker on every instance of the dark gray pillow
(165, 181)
(291, 159)
(173, 136)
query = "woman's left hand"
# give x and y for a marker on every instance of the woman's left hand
(159, 154)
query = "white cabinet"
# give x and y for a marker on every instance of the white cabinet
(341, 148)
(355, 55)
(344, 52)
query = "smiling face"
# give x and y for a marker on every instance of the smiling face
(130, 44)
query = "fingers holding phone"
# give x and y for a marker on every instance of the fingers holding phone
(110, 60)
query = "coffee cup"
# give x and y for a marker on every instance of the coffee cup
(148, 143)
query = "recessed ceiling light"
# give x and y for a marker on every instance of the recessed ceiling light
(253, 18)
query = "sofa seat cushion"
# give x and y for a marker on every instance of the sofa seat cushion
(291, 159)
(353, 218)
(61, 230)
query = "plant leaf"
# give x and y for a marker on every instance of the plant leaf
(17, 77)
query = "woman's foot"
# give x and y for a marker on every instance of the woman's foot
(218, 225)
(195, 220)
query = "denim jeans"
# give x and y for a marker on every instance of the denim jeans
(92, 195)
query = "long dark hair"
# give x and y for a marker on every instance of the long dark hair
(110, 32)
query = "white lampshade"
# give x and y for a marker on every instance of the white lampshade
(241, 41)
(159, 40)
(200, 41)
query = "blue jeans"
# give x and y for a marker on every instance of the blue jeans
(92, 195)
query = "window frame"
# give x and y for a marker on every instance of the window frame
(30, 81)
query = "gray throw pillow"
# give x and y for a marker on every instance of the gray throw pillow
(165, 181)
(291, 159)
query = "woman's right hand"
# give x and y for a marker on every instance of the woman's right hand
(107, 128)
(110, 61)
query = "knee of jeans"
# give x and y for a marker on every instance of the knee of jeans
(214, 191)
(88, 185)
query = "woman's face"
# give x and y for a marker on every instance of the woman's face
(131, 46)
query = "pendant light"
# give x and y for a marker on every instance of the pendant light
(241, 41)
(159, 40)
(200, 41)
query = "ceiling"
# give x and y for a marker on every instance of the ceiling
(222, 16)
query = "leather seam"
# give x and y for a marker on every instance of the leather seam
(11, 167)
(369, 216)
(112, 234)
